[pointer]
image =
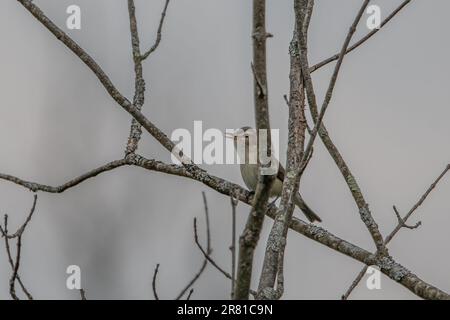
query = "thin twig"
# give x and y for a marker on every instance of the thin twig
(234, 203)
(21, 230)
(158, 34)
(401, 224)
(15, 265)
(211, 260)
(12, 281)
(206, 254)
(155, 274)
(100, 74)
(409, 280)
(362, 40)
(418, 203)
(355, 283)
(334, 77)
(83, 294)
(208, 248)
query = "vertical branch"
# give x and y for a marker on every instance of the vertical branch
(207, 252)
(139, 82)
(155, 275)
(234, 203)
(250, 236)
(276, 244)
(15, 264)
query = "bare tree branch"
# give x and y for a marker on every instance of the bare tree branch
(208, 248)
(139, 82)
(276, 243)
(207, 254)
(388, 266)
(354, 283)
(15, 264)
(101, 75)
(401, 224)
(190, 294)
(363, 207)
(155, 274)
(362, 40)
(234, 203)
(412, 282)
(158, 34)
(83, 294)
(211, 260)
(250, 236)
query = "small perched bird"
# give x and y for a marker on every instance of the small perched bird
(250, 172)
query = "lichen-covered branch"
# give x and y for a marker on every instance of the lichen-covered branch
(276, 243)
(319, 128)
(100, 74)
(400, 225)
(412, 282)
(250, 236)
(139, 82)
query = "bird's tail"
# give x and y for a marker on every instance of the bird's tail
(307, 211)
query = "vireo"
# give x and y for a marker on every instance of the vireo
(245, 140)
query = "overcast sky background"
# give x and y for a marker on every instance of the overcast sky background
(388, 116)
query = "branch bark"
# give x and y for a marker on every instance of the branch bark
(388, 266)
(392, 269)
(139, 82)
(399, 226)
(276, 243)
(250, 236)
(319, 128)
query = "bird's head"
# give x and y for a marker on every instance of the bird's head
(245, 136)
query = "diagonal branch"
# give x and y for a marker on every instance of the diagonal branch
(319, 128)
(388, 266)
(362, 40)
(158, 33)
(401, 224)
(208, 249)
(100, 74)
(401, 274)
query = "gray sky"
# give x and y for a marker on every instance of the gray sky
(389, 117)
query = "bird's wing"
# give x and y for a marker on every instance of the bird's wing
(281, 172)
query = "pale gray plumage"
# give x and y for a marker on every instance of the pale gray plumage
(249, 173)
